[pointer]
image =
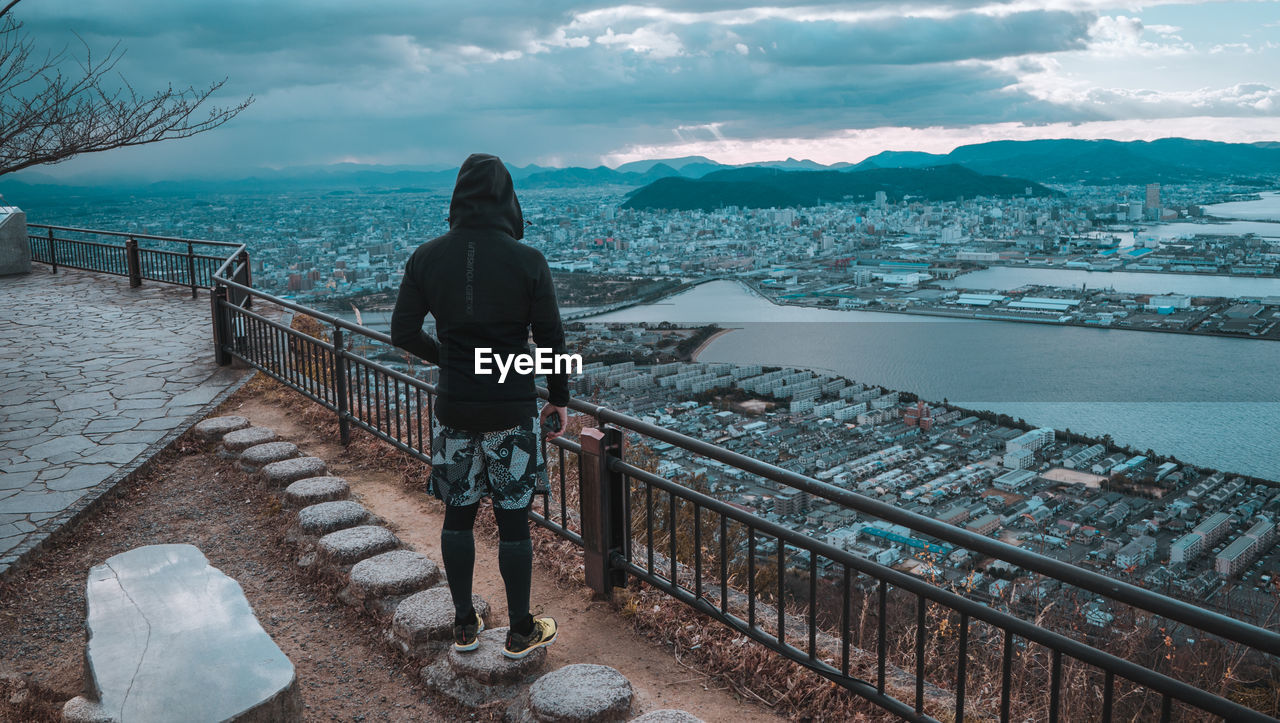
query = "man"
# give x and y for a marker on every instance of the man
(486, 290)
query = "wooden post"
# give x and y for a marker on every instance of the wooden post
(601, 495)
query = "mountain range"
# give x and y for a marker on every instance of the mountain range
(1056, 161)
(774, 187)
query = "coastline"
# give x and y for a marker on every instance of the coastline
(707, 342)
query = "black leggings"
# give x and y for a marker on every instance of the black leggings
(515, 561)
(513, 525)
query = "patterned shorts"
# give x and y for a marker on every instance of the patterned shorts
(506, 465)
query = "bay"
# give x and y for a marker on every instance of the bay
(1206, 400)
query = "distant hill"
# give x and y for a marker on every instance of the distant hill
(677, 163)
(1167, 160)
(772, 187)
(598, 176)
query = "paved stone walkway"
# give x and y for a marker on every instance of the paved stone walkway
(94, 377)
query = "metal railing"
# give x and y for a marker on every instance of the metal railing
(917, 647)
(170, 260)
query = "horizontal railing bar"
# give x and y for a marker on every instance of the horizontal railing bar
(139, 236)
(1076, 649)
(556, 527)
(217, 274)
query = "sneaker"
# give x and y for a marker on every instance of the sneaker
(467, 637)
(543, 633)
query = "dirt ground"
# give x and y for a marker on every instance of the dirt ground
(345, 668)
(346, 672)
(590, 631)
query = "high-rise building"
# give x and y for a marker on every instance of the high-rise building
(1153, 197)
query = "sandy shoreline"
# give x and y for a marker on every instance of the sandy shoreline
(708, 340)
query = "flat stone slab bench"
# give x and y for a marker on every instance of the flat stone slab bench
(173, 638)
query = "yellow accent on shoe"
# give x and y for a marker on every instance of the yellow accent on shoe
(475, 643)
(543, 634)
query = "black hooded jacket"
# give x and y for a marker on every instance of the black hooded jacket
(485, 289)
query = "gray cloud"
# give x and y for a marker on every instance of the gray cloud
(426, 81)
(903, 40)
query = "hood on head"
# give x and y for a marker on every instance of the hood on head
(484, 196)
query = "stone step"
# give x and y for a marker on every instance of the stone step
(214, 428)
(256, 457)
(577, 693)
(233, 443)
(284, 472)
(478, 677)
(314, 490)
(379, 583)
(422, 624)
(325, 517)
(347, 547)
(173, 638)
(667, 715)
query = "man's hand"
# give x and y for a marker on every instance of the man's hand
(554, 420)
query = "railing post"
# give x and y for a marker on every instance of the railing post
(53, 253)
(191, 268)
(601, 495)
(221, 325)
(247, 278)
(340, 387)
(134, 262)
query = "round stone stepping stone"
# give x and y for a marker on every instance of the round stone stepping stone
(242, 439)
(489, 666)
(349, 546)
(427, 616)
(256, 457)
(314, 490)
(479, 677)
(398, 572)
(214, 428)
(323, 518)
(668, 715)
(279, 474)
(581, 693)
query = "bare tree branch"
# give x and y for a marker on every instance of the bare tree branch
(47, 117)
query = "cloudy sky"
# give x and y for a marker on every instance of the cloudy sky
(565, 82)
